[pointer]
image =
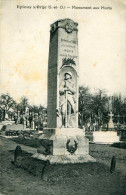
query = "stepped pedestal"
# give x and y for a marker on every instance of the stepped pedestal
(66, 145)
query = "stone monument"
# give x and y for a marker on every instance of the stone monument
(105, 137)
(111, 124)
(62, 141)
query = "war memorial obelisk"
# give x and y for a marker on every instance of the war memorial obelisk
(62, 141)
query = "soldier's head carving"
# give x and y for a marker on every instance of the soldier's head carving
(67, 76)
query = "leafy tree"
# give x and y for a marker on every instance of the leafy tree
(41, 108)
(35, 109)
(6, 104)
(93, 107)
(85, 102)
(119, 107)
(23, 104)
(100, 106)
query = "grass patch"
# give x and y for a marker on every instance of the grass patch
(32, 142)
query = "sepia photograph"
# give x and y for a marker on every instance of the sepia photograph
(63, 97)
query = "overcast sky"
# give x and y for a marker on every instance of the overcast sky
(25, 45)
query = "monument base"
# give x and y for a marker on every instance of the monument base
(65, 145)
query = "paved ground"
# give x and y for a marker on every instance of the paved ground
(81, 179)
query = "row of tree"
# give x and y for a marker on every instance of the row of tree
(10, 108)
(96, 107)
(92, 107)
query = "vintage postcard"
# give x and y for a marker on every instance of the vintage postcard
(63, 97)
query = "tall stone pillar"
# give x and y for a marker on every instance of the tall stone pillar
(63, 72)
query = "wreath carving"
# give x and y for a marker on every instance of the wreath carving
(71, 146)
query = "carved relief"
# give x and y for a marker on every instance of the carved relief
(69, 27)
(71, 146)
(67, 98)
(67, 61)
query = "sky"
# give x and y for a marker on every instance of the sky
(24, 48)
